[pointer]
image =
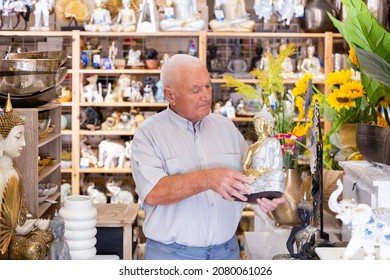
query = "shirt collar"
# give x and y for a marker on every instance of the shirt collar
(184, 124)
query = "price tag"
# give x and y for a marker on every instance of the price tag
(272, 101)
(169, 13)
(219, 15)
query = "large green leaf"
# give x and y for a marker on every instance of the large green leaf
(362, 30)
(374, 66)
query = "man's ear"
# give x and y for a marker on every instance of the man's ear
(169, 96)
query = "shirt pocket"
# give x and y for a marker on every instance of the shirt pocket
(180, 165)
(233, 161)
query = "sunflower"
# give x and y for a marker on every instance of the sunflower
(353, 90)
(338, 78)
(301, 85)
(352, 56)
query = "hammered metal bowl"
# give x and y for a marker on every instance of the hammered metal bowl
(60, 55)
(25, 64)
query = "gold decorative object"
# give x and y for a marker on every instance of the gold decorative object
(71, 10)
(114, 6)
(60, 55)
(9, 119)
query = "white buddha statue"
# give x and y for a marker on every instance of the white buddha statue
(231, 16)
(100, 19)
(126, 20)
(311, 64)
(21, 236)
(182, 15)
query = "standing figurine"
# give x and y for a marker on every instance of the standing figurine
(59, 249)
(112, 52)
(43, 8)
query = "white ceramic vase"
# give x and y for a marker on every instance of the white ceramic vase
(80, 226)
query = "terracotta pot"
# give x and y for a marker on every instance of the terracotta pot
(286, 215)
(151, 63)
(373, 142)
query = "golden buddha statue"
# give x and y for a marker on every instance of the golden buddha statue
(263, 163)
(21, 237)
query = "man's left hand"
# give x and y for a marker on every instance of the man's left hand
(268, 205)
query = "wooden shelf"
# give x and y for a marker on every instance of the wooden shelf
(102, 170)
(124, 104)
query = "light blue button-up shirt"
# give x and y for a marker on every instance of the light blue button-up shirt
(167, 144)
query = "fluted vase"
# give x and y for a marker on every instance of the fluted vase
(79, 216)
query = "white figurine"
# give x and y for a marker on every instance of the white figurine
(42, 9)
(311, 64)
(231, 15)
(112, 52)
(100, 19)
(263, 9)
(123, 83)
(369, 227)
(134, 59)
(182, 15)
(148, 17)
(117, 194)
(110, 150)
(96, 195)
(126, 19)
(135, 95)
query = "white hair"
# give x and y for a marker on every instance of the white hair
(171, 68)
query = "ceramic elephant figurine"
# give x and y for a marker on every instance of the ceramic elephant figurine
(369, 227)
(110, 150)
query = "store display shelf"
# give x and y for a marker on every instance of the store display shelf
(119, 71)
(44, 206)
(48, 139)
(66, 104)
(48, 170)
(66, 132)
(106, 132)
(66, 170)
(140, 34)
(102, 170)
(124, 104)
(264, 35)
(255, 81)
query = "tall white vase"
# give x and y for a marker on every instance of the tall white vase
(80, 226)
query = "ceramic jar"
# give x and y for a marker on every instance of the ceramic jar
(316, 19)
(80, 226)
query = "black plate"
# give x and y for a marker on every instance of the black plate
(253, 196)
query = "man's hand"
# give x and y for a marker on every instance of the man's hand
(268, 205)
(229, 183)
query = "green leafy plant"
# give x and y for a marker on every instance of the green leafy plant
(362, 31)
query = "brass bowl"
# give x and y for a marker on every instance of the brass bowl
(25, 83)
(61, 55)
(13, 65)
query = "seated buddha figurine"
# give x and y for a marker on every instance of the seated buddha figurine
(263, 163)
(21, 237)
(185, 16)
(287, 65)
(312, 64)
(126, 20)
(237, 65)
(231, 16)
(100, 19)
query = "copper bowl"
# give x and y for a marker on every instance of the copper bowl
(60, 55)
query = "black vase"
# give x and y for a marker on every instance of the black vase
(373, 142)
(316, 19)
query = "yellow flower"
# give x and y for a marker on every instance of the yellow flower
(300, 129)
(352, 56)
(381, 121)
(338, 102)
(301, 85)
(352, 90)
(338, 78)
(299, 103)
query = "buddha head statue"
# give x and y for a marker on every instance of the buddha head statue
(11, 131)
(264, 122)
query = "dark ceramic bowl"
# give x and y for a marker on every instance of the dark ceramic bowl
(34, 100)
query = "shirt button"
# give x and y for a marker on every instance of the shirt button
(212, 204)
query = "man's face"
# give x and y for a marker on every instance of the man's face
(190, 97)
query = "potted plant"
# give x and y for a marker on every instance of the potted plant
(151, 59)
(370, 55)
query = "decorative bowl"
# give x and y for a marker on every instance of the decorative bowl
(44, 65)
(61, 55)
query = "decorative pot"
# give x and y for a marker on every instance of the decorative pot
(373, 142)
(80, 226)
(316, 19)
(286, 215)
(151, 63)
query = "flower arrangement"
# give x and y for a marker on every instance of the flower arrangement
(281, 105)
(371, 41)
